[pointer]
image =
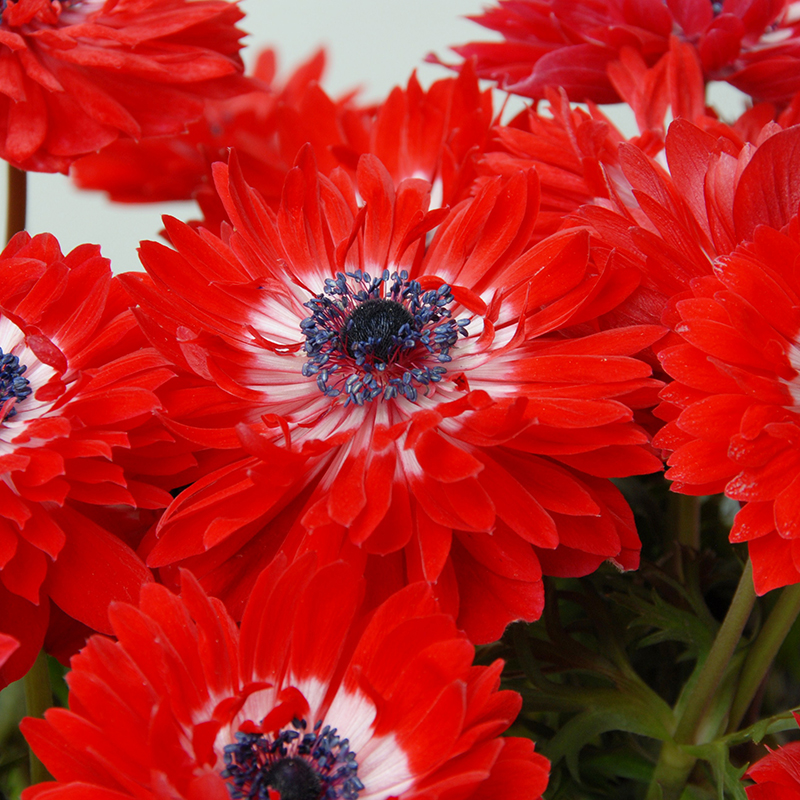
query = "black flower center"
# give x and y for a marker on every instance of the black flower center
(374, 327)
(379, 337)
(13, 387)
(294, 779)
(301, 766)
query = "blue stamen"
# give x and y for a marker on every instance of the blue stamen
(366, 336)
(12, 384)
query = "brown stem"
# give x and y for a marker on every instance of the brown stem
(17, 201)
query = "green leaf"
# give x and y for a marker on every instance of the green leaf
(610, 711)
(670, 624)
(620, 764)
(764, 727)
(726, 776)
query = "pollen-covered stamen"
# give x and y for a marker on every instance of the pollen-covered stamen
(301, 766)
(13, 387)
(370, 337)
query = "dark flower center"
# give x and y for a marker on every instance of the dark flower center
(318, 765)
(371, 337)
(294, 778)
(374, 326)
(12, 385)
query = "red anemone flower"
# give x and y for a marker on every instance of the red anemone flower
(417, 401)
(76, 406)
(734, 418)
(436, 134)
(77, 74)
(752, 44)
(671, 225)
(777, 775)
(575, 154)
(312, 698)
(255, 123)
(715, 242)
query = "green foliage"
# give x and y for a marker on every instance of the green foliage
(606, 672)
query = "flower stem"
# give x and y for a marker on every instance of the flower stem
(674, 766)
(688, 513)
(17, 201)
(763, 651)
(38, 698)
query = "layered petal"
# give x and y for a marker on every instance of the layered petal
(77, 75)
(582, 47)
(78, 493)
(369, 705)
(375, 392)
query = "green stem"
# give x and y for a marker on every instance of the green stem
(763, 651)
(688, 513)
(38, 698)
(17, 201)
(674, 766)
(671, 773)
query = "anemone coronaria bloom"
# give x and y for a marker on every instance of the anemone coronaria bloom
(312, 698)
(734, 419)
(77, 74)
(365, 389)
(77, 382)
(715, 241)
(751, 44)
(436, 134)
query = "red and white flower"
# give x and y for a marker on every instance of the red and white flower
(312, 698)
(76, 384)
(419, 403)
(77, 74)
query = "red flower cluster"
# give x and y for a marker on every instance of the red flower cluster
(435, 134)
(311, 698)
(77, 74)
(751, 44)
(382, 389)
(77, 398)
(397, 349)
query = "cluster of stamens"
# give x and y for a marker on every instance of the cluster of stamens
(12, 385)
(315, 765)
(371, 337)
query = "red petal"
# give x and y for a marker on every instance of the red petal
(773, 565)
(93, 569)
(768, 192)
